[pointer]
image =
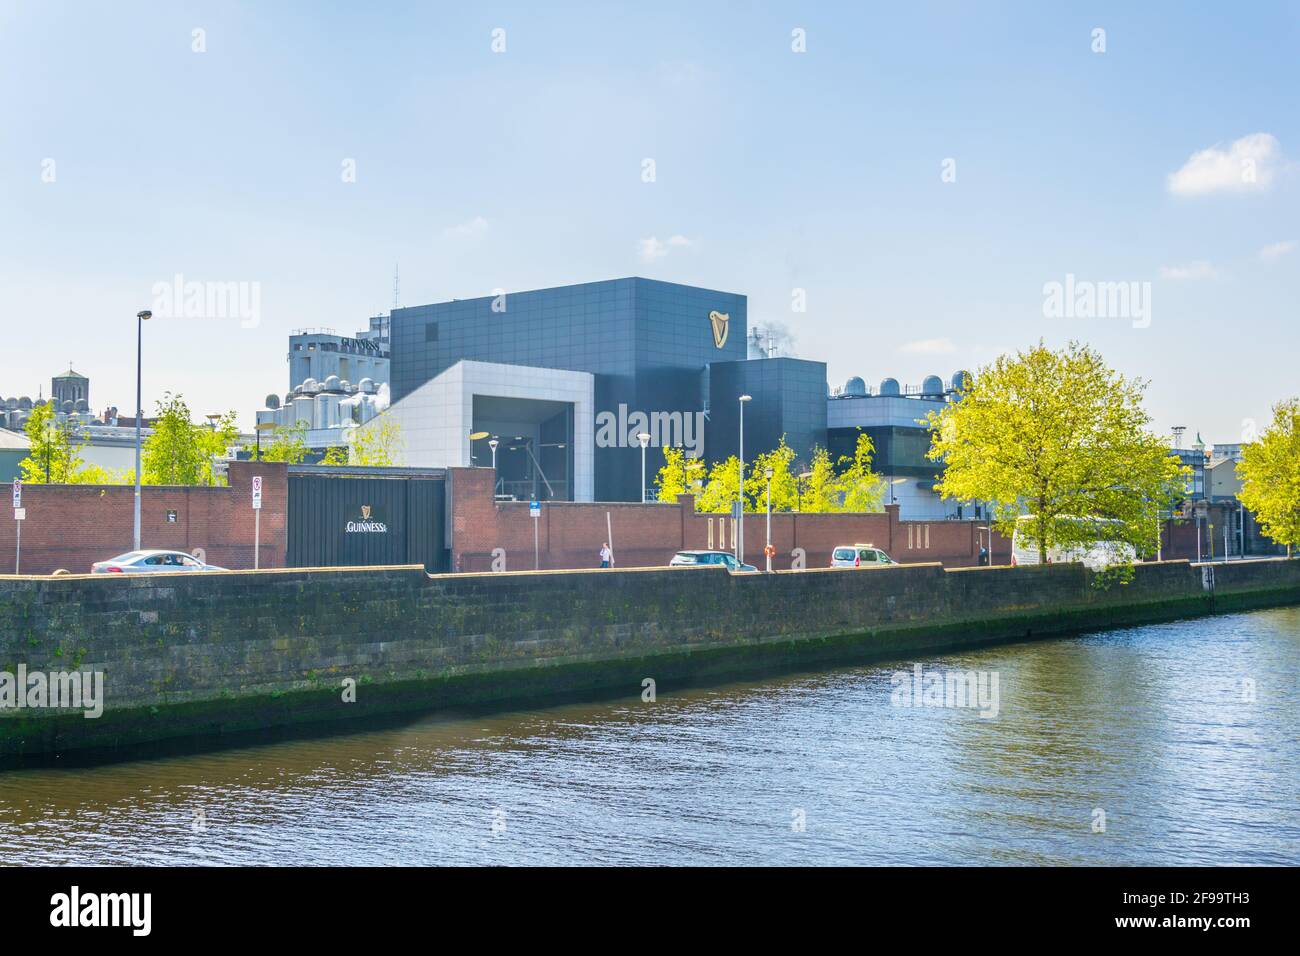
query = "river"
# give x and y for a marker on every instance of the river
(1175, 744)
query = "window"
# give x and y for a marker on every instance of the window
(867, 554)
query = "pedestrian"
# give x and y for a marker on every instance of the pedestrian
(606, 555)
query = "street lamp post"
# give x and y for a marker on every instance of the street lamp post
(141, 317)
(259, 428)
(643, 439)
(767, 550)
(492, 443)
(740, 520)
(51, 430)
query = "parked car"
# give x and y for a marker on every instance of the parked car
(857, 555)
(696, 558)
(151, 562)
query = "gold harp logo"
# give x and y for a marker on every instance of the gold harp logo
(365, 512)
(721, 325)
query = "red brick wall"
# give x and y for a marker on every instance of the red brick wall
(569, 535)
(72, 526)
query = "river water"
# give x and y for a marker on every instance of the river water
(1167, 744)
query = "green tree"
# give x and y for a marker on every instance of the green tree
(335, 455)
(860, 488)
(720, 490)
(180, 452)
(818, 493)
(53, 452)
(377, 444)
(1062, 434)
(1270, 474)
(679, 473)
(288, 444)
(785, 483)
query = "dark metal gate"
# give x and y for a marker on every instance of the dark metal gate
(366, 516)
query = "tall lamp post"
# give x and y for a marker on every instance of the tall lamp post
(740, 520)
(767, 550)
(803, 479)
(492, 443)
(140, 317)
(643, 439)
(259, 428)
(473, 437)
(51, 435)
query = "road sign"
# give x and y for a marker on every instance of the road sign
(20, 514)
(257, 522)
(18, 493)
(534, 509)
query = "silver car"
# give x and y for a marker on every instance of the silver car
(694, 558)
(151, 562)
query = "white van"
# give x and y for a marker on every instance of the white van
(1103, 551)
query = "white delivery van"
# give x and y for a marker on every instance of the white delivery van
(1104, 550)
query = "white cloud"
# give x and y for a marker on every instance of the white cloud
(1248, 165)
(654, 248)
(475, 228)
(942, 346)
(1277, 250)
(1199, 269)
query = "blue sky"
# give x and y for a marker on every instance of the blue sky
(774, 170)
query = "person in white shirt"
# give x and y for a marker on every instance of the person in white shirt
(606, 555)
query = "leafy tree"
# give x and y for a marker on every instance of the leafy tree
(288, 444)
(720, 490)
(1062, 434)
(818, 493)
(785, 484)
(180, 452)
(53, 449)
(1270, 473)
(335, 455)
(861, 489)
(377, 444)
(99, 475)
(679, 472)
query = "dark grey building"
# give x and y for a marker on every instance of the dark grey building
(648, 344)
(787, 399)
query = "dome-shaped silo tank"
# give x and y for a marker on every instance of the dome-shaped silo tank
(333, 384)
(889, 388)
(367, 385)
(303, 407)
(960, 381)
(273, 401)
(855, 386)
(932, 386)
(327, 407)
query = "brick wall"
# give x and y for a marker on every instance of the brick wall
(569, 535)
(72, 526)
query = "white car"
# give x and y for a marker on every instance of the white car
(859, 555)
(151, 562)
